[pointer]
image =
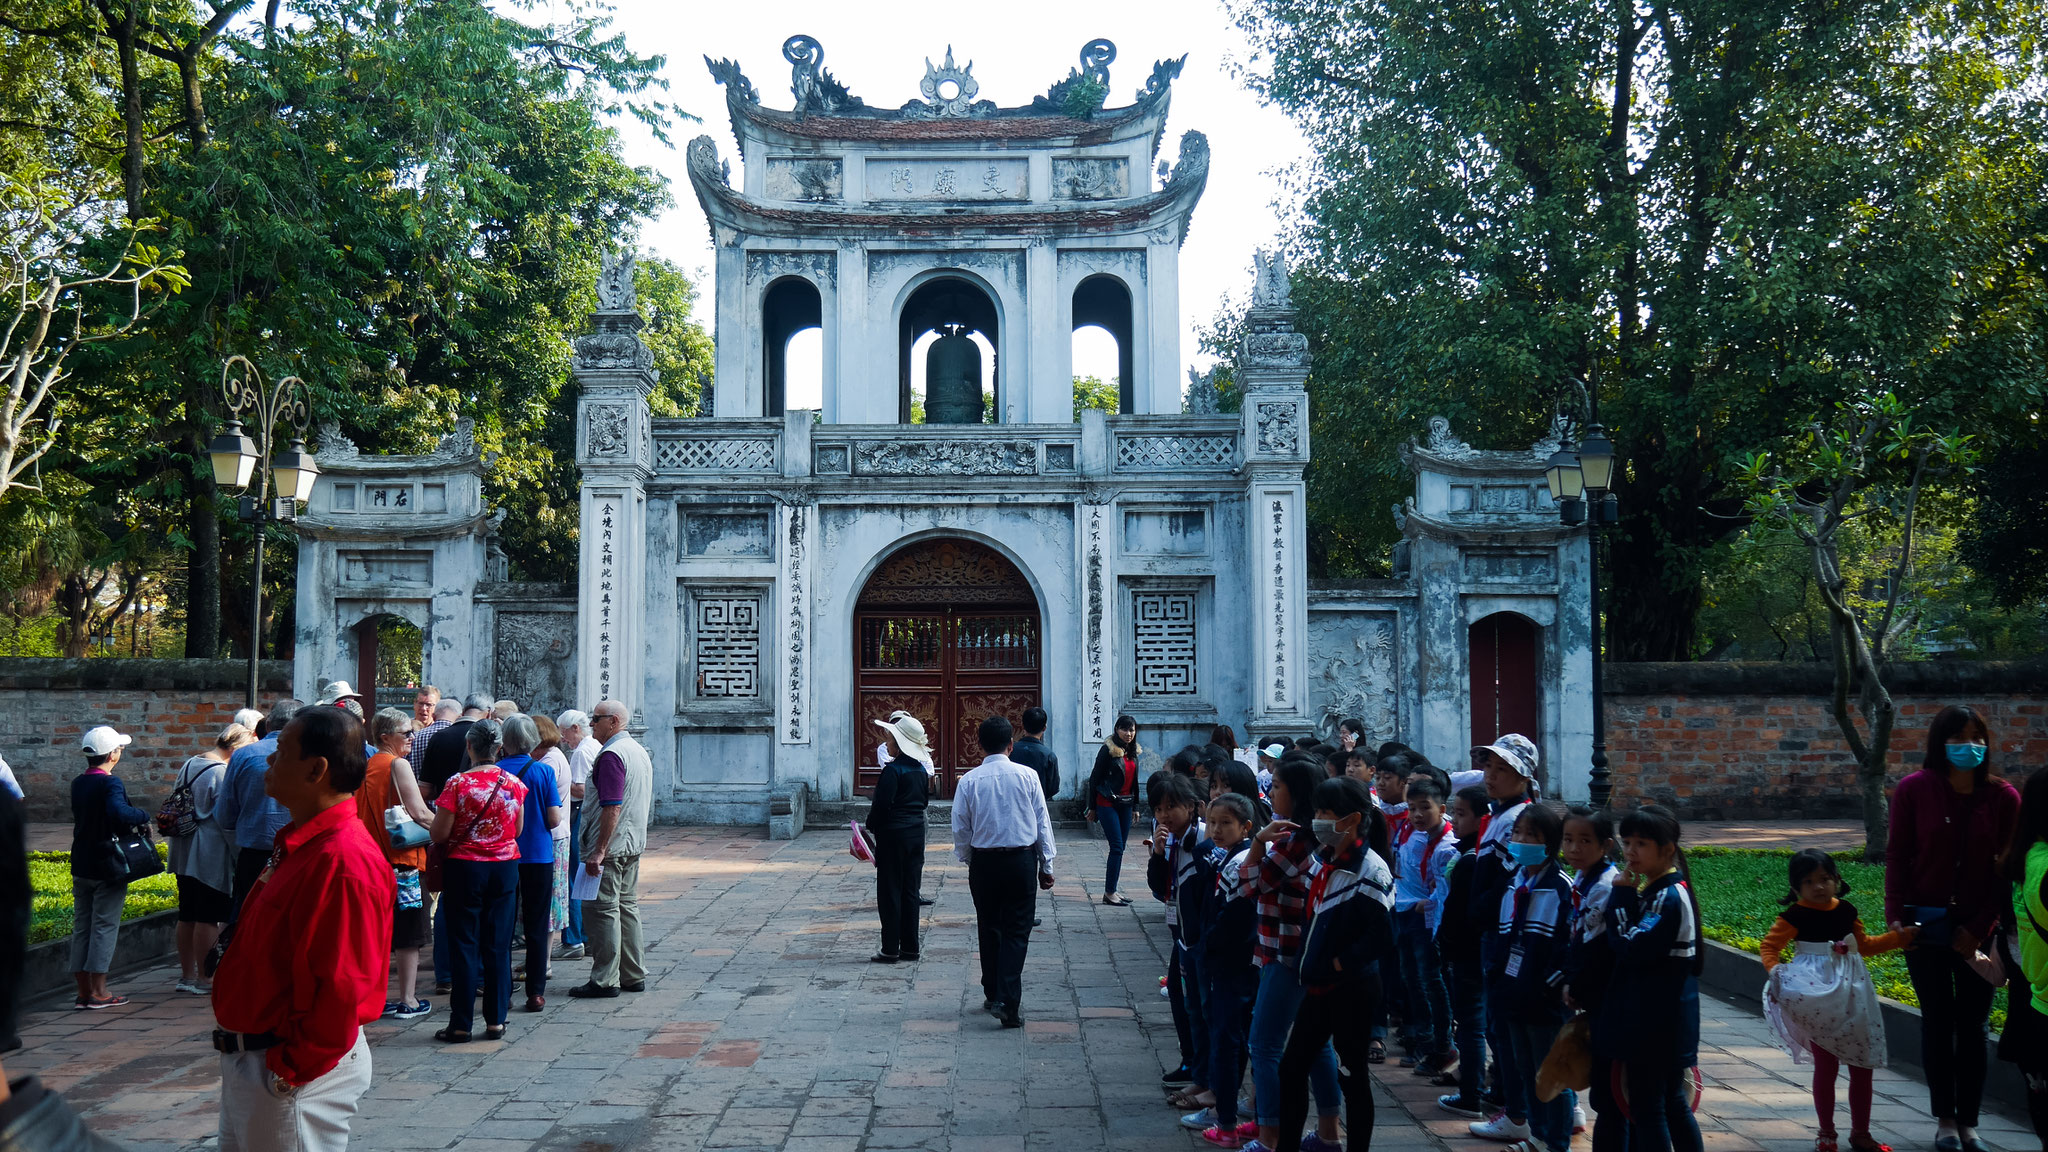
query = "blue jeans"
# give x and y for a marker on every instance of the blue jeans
(573, 934)
(1115, 818)
(1527, 1043)
(1279, 999)
(1230, 1007)
(1468, 1010)
(480, 898)
(1422, 984)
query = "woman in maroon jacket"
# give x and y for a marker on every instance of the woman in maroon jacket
(1949, 821)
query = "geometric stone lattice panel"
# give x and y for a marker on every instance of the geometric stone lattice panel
(719, 455)
(1163, 638)
(1175, 451)
(727, 649)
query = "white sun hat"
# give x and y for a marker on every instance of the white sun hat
(908, 735)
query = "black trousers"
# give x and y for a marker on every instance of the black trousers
(249, 864)
(1955, 1003)
(899, 870)
(1005, 890)
(536, 888)
(1342, 1016)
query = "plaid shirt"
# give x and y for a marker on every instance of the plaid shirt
(1280, 884)
(418, 748)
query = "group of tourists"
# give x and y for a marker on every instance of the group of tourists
(1327, 899)
(314, 845)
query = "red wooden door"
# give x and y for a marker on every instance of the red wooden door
(948, 631)
(1504, 654)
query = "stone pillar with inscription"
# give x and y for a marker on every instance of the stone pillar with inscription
(1272, 371)
(615, 372)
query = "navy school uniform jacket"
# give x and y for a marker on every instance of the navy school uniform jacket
(1182, 877)
(1524, 953)
(1230, 918)
(1589, 962)
(1457, 935)
(1651, 1012)
(1350, 918)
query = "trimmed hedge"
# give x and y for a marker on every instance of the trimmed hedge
(49, 877)
(1739, 891)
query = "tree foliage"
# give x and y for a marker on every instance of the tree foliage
(1726, 215)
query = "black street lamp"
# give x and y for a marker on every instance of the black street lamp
(237, 460)
(1581, 478)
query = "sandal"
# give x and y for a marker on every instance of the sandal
(1825, 1142)
(1865, 1142)
(1376, 1052)
(494, 1031)
(1115, 900)
(451, 1036)
(1192, 1098)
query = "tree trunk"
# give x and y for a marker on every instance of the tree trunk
(1870, 778)
(202, 564)
(132, 126)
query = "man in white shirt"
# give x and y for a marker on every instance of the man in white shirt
(582, 749)
(1003, 833)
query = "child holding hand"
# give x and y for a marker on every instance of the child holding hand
(1819, 998)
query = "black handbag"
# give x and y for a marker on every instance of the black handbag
(135, 855)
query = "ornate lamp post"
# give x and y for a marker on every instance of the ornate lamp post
(237, 460)
(1581, 477)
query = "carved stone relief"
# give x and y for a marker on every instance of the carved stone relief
(1353, 671)
(796, 598)
(947, 458)
(1288, 350)
(1090, 178)
(533, 660)
(1279, 433)
(819, 268)
(962, 178)
(609, 427)
(807, 179)
(1442, 442)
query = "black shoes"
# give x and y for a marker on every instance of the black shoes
(1178, 1078)
(924, 900)
(638, 986)
(1035, 922)
(992, 1007)
(884, 958)
(1012, 1020)
(594, 992)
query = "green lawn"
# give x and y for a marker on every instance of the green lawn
(49, 874)
(1739, 890)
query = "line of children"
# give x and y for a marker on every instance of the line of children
(1422, 885)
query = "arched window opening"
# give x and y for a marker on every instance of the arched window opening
(390, 661)
(1504, 650)
(804, 370)
(791, 306)
(948, 326)
(1102, 304)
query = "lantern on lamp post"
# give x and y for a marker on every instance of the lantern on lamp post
(1581, 479)
(239, 461)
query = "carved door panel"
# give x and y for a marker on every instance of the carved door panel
(1504, 650)
(948, 631)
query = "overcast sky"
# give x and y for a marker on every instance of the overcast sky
(878, 50)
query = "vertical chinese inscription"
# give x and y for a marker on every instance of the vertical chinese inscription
(1279, 537)
(796, 590)
(1098, 691)
(607, 575)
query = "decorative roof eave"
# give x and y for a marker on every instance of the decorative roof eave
(774, 127)
(1527, 530)
(1442, 451)
(1172, 206)
(362, 529)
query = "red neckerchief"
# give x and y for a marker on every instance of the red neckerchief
(1317, 886)
(1429, 849)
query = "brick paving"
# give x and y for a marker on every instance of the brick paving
(764, 1027)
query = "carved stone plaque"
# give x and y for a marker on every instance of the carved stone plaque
(947, 458)
(608, 430)
(1279, 433)
(1090, 178)
(533, 660)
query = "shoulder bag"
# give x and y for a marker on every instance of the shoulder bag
(178, 817)
(134, 855)
(437, 854)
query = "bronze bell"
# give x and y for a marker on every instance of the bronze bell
(952, 381)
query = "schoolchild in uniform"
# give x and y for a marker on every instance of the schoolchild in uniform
(1524, 959)
(1589, 851)
(1818, 995)
(1422, 885)
(1349, 934)
(1458, 937)
(1172, 807)
(1230, 918)
(1180, 871)
(1650, 1018)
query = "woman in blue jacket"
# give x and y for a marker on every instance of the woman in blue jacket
(99, 884)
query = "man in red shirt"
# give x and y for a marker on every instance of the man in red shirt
(308, 963)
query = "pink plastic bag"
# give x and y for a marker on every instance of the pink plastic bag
(857, 846)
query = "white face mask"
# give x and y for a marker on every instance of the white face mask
(1326, 833)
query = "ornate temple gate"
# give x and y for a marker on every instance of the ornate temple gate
(947, 630)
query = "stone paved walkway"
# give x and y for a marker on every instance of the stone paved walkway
(764, 1027)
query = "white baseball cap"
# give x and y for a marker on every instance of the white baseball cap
(1276, 750)
(103, 740)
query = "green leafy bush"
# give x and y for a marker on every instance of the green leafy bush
(49, 877)
(1739, 889)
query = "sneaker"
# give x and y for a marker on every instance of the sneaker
(1255, 1146)
(186, 986)
(1248, 1130)
(570, 952)
(95, 1005)
(1178, 1078)
(1441, 1064)
(1206, 1118)
(1502, 1129)
(1579, 1124)
(1312, 1142)
(1825, 1142)
(1165, 993)
(1221, 1138)
(391, 1007)
(414, 1010)
(1457, 1105)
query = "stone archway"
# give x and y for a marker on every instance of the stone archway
(949, 631)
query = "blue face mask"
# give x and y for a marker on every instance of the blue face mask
(1527, 855)
(1966, 756)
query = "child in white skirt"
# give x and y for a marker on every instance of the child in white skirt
(1819, 998)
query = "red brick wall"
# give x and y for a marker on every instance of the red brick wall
(1737, 741)
(173, 709)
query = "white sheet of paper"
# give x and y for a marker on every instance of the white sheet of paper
(582, 885)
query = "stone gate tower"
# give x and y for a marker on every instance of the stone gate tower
(760, 582)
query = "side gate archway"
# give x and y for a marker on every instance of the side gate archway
(949, 631)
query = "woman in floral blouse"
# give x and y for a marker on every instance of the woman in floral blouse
(481, 813)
